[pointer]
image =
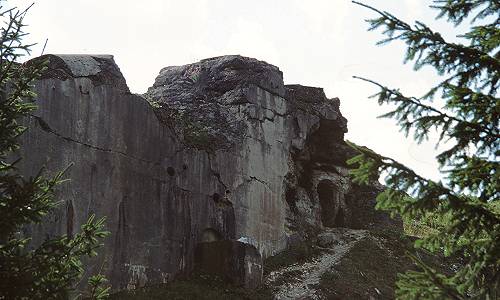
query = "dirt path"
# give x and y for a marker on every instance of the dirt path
(299, 281)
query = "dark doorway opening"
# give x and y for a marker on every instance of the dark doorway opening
(327, 194)
(332, 213)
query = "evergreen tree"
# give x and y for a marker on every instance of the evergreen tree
(468, 195)
(51, 270)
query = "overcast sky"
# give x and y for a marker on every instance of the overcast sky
(320, 43)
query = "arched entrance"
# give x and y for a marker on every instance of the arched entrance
(332, 214)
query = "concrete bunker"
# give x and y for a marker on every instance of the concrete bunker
(332, 213)
(236, 262)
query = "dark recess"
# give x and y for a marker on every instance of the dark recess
(327, 199)
(216, 197)
(170, 171)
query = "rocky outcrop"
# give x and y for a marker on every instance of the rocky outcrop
(216, 150)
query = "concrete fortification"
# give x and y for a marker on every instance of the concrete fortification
(219, 150)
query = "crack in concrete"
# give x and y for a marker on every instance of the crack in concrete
(45, 127)
(253, 178)
(215, 173)
(261, 121)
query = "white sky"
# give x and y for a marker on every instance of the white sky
(319, 43)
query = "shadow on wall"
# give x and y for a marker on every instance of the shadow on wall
(210, 235)
(237, 262)
(332, 212)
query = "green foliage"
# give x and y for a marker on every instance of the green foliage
(52, 269)
(425, 225)
(466, 201)
(97, 287)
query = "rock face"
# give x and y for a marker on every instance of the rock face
(216, 150)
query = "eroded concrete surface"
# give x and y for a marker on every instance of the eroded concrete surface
(218, 149)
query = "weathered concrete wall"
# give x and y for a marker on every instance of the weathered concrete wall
(221, 149)
(235, 262)
(121, 157)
